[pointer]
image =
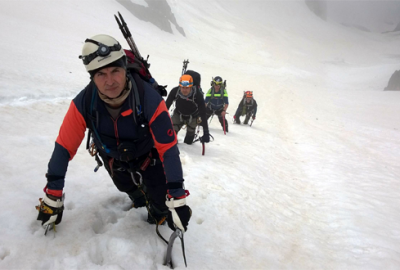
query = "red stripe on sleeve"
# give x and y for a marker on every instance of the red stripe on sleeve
(72, 130)
(162, 148)
(161, 108)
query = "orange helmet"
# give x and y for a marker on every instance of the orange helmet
(186, 81)
(249, 94)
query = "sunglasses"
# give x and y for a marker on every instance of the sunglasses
(185, 83)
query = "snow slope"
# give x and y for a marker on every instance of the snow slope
(313, 184)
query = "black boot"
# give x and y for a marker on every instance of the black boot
(237, 119)
(138, 196)
(189, 138)
(156, 215)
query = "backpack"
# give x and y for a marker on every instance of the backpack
(142, 69)
(221, 90)
(196, 79)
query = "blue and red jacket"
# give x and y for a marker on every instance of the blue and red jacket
(155, 131)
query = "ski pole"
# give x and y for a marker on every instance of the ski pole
(129, 39)
(185, 64)
(127, 35)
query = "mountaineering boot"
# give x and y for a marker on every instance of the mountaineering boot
(138, 196)
(236, 119)
(156, 216)
(189, 138)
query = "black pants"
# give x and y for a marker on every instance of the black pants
(210, 112)
(153, 178)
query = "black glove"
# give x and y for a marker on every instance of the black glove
(50, 209)
(254, 117)
(179, 214)
(184, 214)
(162, 90)
(205, 138)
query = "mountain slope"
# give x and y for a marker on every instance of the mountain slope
(313, 182)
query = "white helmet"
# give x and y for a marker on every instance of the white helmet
(99, 51)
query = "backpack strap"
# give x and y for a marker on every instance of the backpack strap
(177, 93)
(194, 88)
(90, 107)
(222, 91)
(88, 113)
(194, 93)
(137, 97)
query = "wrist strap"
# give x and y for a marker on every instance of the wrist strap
(173, 203)
(52, 203)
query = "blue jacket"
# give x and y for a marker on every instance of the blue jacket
(157, 131)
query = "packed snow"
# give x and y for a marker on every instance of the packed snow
(314, 183)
